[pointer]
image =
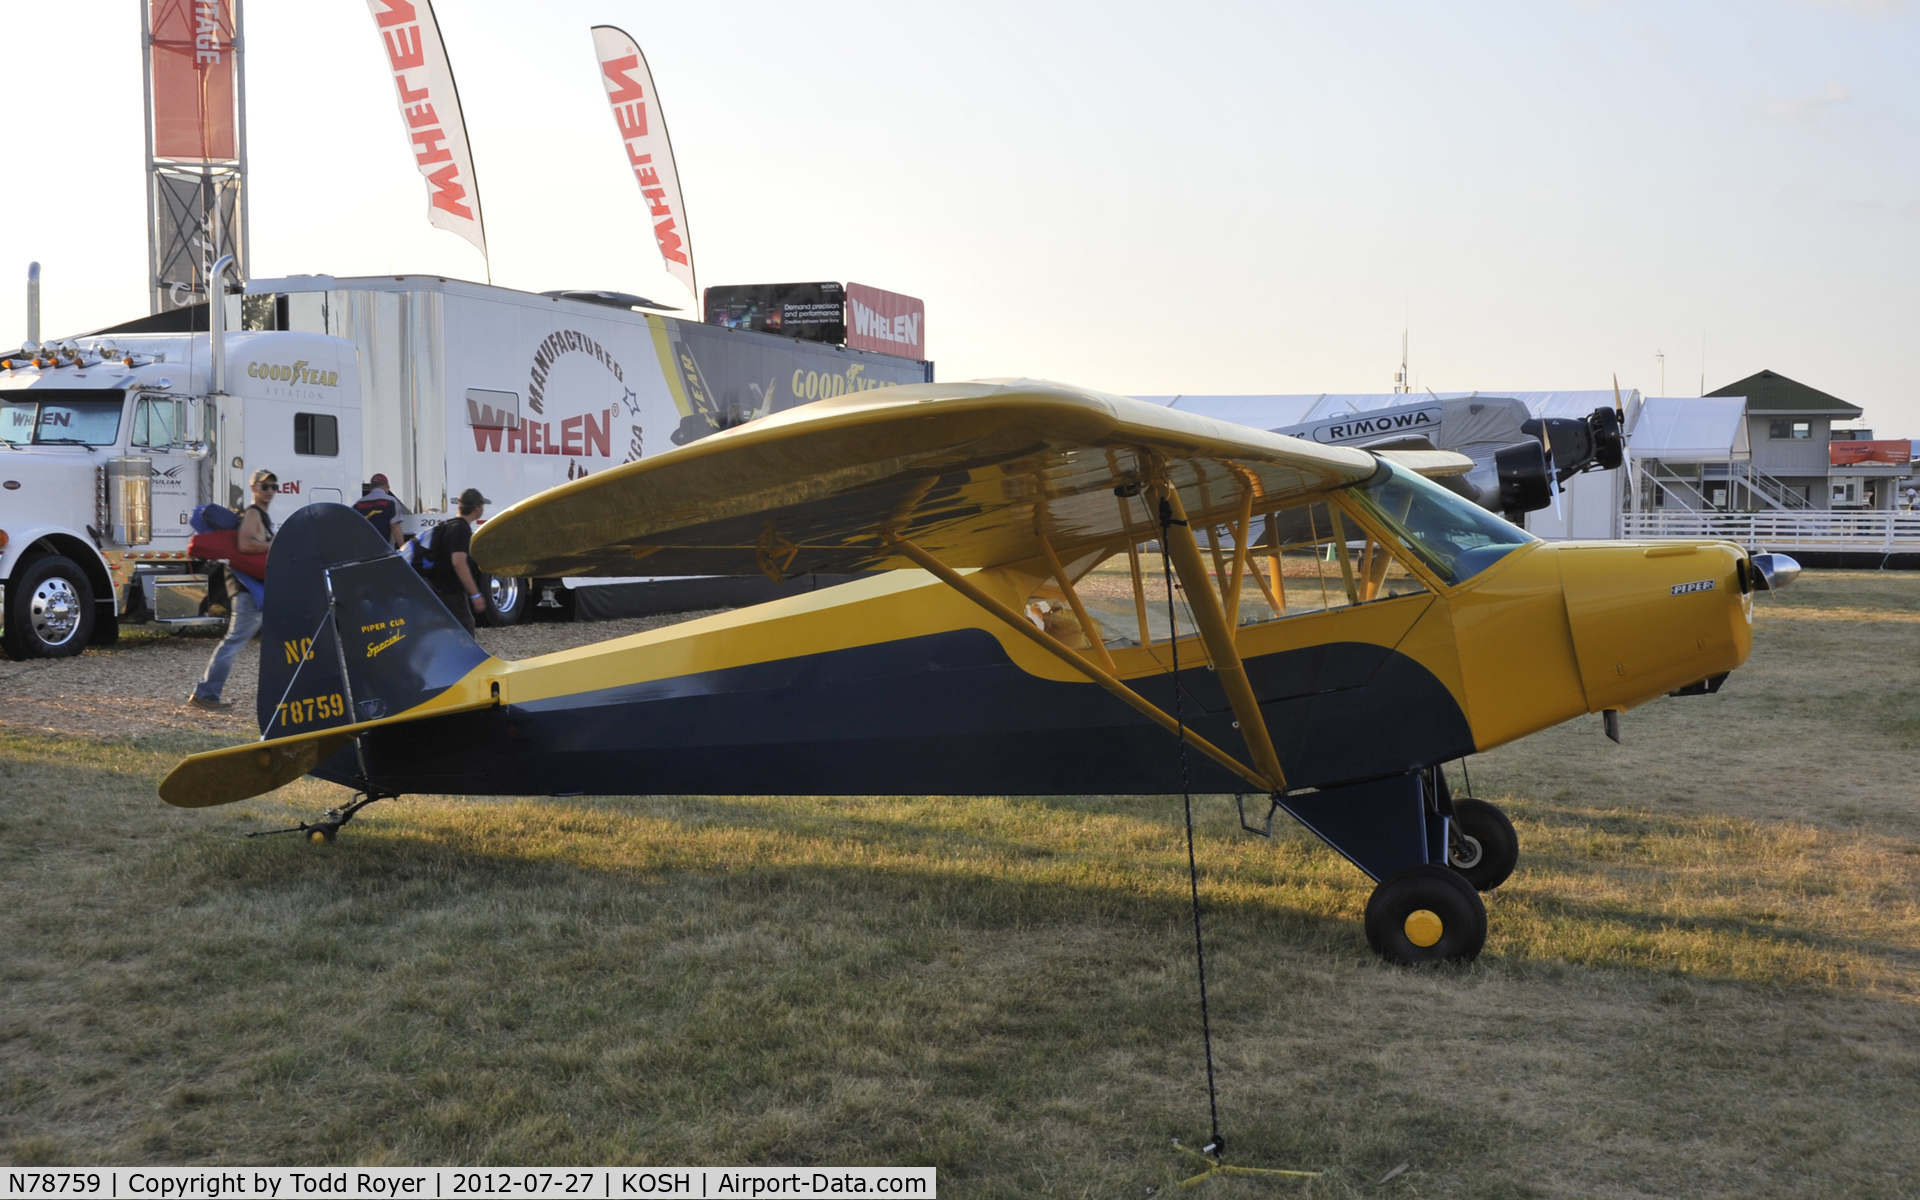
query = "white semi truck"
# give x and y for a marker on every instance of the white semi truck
(109, 441)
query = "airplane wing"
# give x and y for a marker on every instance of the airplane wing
(973, 473)
(1430, 462)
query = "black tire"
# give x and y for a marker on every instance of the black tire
(1487, 860)
(50, 611)
(508, 600)
(1439, 893)
(106, 626)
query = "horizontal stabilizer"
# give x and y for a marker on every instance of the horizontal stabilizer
(242, 772)
(973, 473)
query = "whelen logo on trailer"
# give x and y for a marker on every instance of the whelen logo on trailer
(886, 322)
(500, 430)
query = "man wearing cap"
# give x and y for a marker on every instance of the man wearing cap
(379, 507)
(255, 536)
(454, 575)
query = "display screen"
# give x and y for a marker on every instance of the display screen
(812, 312)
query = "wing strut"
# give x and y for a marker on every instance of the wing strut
(1073, 601)
(1204, 602)
(1080, 663)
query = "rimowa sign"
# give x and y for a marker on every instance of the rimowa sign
(886, 322)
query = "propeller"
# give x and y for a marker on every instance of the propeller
(1626, 454)
(1553, 478)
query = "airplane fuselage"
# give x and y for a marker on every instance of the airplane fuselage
(899, 685)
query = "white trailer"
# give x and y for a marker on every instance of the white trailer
(515, 392)
(108, 441)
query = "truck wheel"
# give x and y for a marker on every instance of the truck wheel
(508, 600)
(49, 609)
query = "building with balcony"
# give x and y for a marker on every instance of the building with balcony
(1788, 426)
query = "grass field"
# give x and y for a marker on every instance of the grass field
(1703, 980)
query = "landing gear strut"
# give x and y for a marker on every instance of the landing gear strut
(327, 828)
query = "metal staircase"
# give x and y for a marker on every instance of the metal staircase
(1776, 494)
(1772, 495)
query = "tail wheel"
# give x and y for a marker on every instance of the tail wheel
(1484, 848)
(50, 610)
(1426, 913)
(508, 600)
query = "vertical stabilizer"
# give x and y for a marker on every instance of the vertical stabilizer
(397, 645)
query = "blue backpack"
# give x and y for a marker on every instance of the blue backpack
(208, 518)
(418, 552)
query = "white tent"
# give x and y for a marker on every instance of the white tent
(1275, 412)
(1589, 508)
(1261, 412)
(1691, 429)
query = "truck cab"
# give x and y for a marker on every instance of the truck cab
(108, 445)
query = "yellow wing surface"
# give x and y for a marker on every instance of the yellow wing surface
(976, 474)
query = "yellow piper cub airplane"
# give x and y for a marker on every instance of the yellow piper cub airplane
(1343, 626)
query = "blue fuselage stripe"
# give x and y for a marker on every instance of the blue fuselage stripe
(942, 714)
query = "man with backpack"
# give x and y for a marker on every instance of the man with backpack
(254, 536)
(450, 571)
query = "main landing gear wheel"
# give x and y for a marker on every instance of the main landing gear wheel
(1484, 847)
(1426, 913)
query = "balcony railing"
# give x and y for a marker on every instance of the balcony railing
(1821, 530)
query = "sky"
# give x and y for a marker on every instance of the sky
(1151, 200)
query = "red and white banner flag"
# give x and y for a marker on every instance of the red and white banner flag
(430, 114)
(636, 110)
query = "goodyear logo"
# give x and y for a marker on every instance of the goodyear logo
(823, 385)
(296, 372)
(1699, 585)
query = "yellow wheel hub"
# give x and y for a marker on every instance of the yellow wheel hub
(1424, 927)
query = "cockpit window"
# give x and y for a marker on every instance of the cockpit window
(1309, 558)
(61, 417)
(1366, 544)
(1455, 538)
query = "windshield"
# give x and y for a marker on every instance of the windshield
(61, 417)
(1453, 536)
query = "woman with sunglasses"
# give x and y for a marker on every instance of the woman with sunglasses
(254, 536)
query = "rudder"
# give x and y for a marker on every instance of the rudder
(399, 645)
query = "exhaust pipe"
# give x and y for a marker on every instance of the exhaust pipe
(33, 304)
(217, 323)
